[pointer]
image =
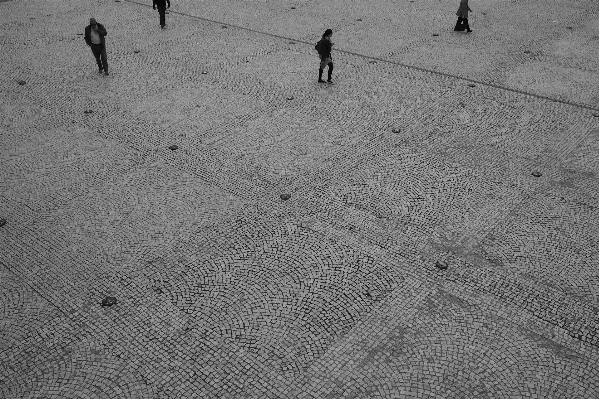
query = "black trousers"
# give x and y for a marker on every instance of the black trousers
(161, 11)
(462, 24)
(99, 51)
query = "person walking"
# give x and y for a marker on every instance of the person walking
(463, 17)
(94, 37)
(324, 47)
(161, 4)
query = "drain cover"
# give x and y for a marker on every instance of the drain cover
(109, 301)
(441, 265)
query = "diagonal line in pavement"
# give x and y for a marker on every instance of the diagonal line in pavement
(368, 57)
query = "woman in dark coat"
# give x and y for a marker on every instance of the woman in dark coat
(324, 47)
(463, 17)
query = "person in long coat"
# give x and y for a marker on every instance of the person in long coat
(463, 17)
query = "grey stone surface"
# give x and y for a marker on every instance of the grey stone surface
(423, 150)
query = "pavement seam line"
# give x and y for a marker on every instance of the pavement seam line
(369, 57)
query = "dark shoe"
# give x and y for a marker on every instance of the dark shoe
(101, 70)
(106, 72)
(329, 81)
(321, 81)
(161, 26)
(468, 30)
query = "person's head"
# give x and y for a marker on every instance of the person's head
(327, 34)
(92, 22)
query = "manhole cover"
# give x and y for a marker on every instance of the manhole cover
(471, 85)
(435, 34)
(285, 197)
(569, 27)
(21, 82)
(204, 72)
(526, 52)
(536, 174)
(397, 130)
(2, 222)
(359, 19)
(136, 51)
(224, 26)
(88, 111)
(109, 301)
(173, 147)
(441, 265)
(293, 8)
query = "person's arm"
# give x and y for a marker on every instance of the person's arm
(86, 37)
(154, 4)
(169, 3)
(102, 30)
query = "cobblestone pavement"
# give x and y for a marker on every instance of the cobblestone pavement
(422, 151)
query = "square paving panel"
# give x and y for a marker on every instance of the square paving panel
(584, 155)
(284, 144)
(143, 214)
(61, 164)
(446, 200)
(444, 343)
(288, 300)
(23, 309)
(551, 239)
(209, 115)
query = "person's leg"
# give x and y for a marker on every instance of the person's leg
(323, 63)
(458, 25)
(466, 26)
(161, 11)
(96, 51)
(104, 57)
(330, 71)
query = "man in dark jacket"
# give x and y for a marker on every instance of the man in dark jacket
(94, 37)
(161, 4)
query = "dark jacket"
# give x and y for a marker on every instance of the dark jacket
(324, 48)
(463, 10)
(161, 3)
(101, 31)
